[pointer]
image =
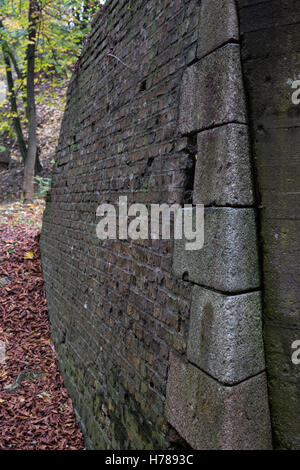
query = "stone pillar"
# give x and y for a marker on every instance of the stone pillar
(217, 394)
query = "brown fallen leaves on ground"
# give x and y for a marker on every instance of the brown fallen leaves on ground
(35, 409)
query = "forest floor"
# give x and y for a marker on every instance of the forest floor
(36, 412)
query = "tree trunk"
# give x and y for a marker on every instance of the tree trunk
(32, 121)
(37, 167)
(15, 64)
(20, 74)
(13, 99)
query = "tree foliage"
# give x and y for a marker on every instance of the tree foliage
(50, 39)
(62, 26)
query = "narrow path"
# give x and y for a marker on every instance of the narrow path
(35, 409)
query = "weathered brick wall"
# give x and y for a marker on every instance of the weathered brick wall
(148, 334)
(116, 310)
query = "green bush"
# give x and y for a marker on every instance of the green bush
(44, 185)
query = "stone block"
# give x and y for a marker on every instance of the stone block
(223, 168)
(212, 91)
(211, 416)
(228, 261)
(218, 25)
(225, 337)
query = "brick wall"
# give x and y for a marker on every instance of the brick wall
(149, 335)
(116, 309)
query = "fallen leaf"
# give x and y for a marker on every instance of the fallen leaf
(29, 422)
